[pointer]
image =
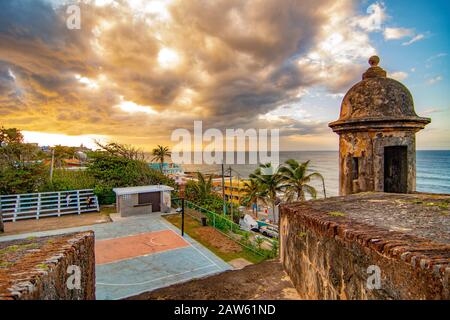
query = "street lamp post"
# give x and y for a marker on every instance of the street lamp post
(181, 188)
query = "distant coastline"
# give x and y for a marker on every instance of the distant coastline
(433, 169)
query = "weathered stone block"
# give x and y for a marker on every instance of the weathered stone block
(48, 268)
(333, 263)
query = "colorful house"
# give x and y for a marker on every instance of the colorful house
(234, 191)
(167, 168)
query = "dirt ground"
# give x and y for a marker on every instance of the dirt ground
(207, 234)
(263, 281)
(52, 223)
(217, 240)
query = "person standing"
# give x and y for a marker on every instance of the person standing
(67, 199)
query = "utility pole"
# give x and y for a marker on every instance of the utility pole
(239, 188)
(231, 193)
(182, 216)
(52, 165)
(223, 191)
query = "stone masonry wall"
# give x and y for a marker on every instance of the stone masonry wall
(327, 257)
(38, 268)
(368, 146)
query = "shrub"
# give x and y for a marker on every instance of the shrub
(70, 180)
(22, 179)
(105, 194)
(111, 172)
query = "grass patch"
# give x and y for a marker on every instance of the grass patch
(302, 234)
(10, 249)
(191, 226)
(17, 248)
(442, 205)
(6, 264)
(336, 214)
(42, 266)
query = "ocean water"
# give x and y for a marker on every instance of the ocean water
(433, 169)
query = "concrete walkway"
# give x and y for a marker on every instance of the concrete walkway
(161, 261)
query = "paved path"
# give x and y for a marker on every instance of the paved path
(142, 253)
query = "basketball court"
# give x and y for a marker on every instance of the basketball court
(142, 253)
(141, 262)
(118, 249)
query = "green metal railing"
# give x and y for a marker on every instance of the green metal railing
(223, 224)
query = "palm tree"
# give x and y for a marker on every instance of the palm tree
(160, 153)
(295, 179)
(251, 192)
(204, 185)
(269, 181)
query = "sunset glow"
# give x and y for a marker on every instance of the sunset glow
(53, 139)
(138, 69)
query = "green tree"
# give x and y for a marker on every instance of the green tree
(203, 186)
(70, 180)
(22, 179)
(121, 150)
(10, 135)
(14, 154)
(62, 153)
(160, 153)
(251, 191)
(20, 168)
(269, 183)
(296, 178)
(200, 190)
(112, 171)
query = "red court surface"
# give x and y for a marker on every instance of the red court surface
(112, 250)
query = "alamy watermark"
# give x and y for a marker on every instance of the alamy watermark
(374, 279)
(73, 20)
(234, 146)
(74, 280)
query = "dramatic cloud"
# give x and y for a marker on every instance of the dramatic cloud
(138, 69)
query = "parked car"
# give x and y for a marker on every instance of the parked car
(269, 232)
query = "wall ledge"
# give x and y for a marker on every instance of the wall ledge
(419, 252)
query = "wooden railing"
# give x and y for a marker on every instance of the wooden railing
(47, 204)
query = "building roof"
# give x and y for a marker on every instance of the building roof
(379, 99)
(141, 189)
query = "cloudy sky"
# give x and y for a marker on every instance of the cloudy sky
(138, 69)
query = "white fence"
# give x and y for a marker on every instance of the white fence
(47, 204)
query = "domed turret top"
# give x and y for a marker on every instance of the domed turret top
(374, 71)
(379, 99)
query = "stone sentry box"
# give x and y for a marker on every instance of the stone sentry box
(143, 200)
(377, 127)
